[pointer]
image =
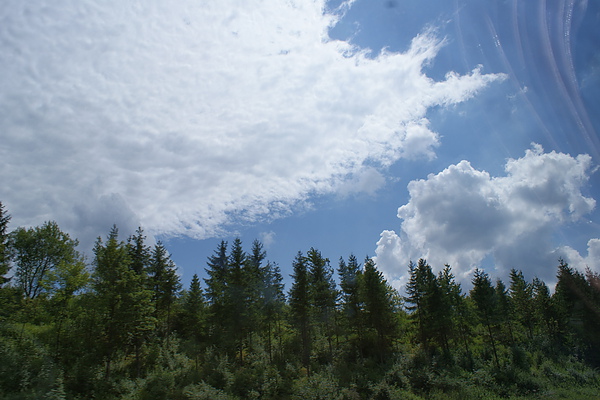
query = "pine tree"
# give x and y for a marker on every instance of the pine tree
(592, 316)
(193, 311)
(139, 252)
(193, 318)
(122, 301)
(4, 247)
(578, 312)
(544, 315)
(504, 313)
(165, 286)
(216, 290)
(350, 276)
(484, 296)
(143, 309)
(568, 302)
(236, 307)
(521, 297)
(323, 295)
(300, 306)
(254, 288)
(379, 313)
(420, 288)
(446, 298)
(273, 299)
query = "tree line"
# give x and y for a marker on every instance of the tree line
(122, 326)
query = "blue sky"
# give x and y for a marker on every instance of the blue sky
(461, 131)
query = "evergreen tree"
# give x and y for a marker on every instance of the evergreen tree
(254, 288)
(521, 298)
(323, 295)
(592, 321)
(379, 312)
(568, 302)
(420, 288)
(504, 313)
(143, 307)
(236, 314)
(192, 321)
(164, 284)
(216, 290)
(300, 306)
(4, 245)
(544, 315)
(273, 299)
(444, 301)
(350, 276)
(578, 311)
(484, 296)
(193, 311)
(123, 302)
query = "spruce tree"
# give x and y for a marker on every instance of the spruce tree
(254, 288)
(569, 303)
(521, 297)
(192, 319)
(164, 284)
(323, 295)
(484, 296)
(236, 314)
(216, 291)
(139, 252)
(193, 311)
(504, 313)
(300, 306)
(445, 303)
(576, 304)
(273, 301)
(4, 247)
(122, 300)
(419, 289)
(143, 308)
(379, 312)
(544, 316)
(350, 276)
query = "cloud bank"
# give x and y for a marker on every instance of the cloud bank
(462, 215)
(187, 117)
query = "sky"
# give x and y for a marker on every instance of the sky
(460, 131)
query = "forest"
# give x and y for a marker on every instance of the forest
(122, 326)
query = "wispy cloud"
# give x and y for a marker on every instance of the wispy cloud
(463, 215)
(183, 117)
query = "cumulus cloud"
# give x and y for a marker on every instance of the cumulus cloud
(591, 260)
(189, 116)
(462, 215)
(267, 238)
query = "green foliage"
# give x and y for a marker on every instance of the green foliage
(123, 303)
(5, 251)
(203, 391)
(319, 386)
(26, 369)
(164, 284)
(299, 300)
(47, 261)
(129, 333)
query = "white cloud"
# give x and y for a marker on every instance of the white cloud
(591, 260)
(197, 113)
(267, 238)
(462, 215)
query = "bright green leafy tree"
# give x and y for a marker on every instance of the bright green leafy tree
(45, 258)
